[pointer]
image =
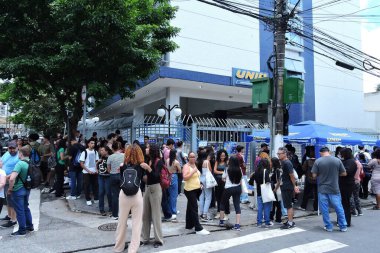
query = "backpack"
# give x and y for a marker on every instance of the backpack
(129, 180)
(165, 176)
(34, 157)
(33, 177)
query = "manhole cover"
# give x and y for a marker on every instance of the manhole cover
(108, 227)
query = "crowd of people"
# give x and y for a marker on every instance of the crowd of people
(211, 179)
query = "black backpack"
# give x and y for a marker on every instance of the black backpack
(33, 177)
(129, 180)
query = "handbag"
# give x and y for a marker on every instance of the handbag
(267, 194)
(244, 188)
(210, 180)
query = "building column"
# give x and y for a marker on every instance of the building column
(138, 119)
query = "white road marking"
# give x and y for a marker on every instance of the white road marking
(34, 206)
(229, 243)
(314, 247)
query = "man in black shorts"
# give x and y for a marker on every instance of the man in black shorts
(288, 186)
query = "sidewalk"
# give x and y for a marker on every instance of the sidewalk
(177, 227)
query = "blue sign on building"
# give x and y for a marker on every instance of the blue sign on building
(244, 77)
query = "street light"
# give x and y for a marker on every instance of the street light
(163, 109)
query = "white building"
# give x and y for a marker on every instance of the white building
(213, 41)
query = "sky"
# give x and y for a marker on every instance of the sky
(370, 41)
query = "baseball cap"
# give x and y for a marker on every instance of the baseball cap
(12, 144)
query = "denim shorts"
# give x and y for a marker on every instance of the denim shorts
(8, 201)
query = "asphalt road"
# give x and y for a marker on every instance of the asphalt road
(61, 230)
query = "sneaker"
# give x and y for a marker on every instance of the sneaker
(96, 201)
(166, 219)
(9, 224)
(328, 229)
(236, 227)
(225, 217)
(343, 230)
(29, 229)
(360, 213)
(78, 197)
(89, 203)
(217, 216)
(302, 209)
(52, 191)
(174, 217)
(270, 224)
(18, 233)
(102, 213)
(62, 197)
(202, 232)
(205, 218)
(178, 212)
(288, 226)
(6, 218)
(71, 197)
(115, 218)
(353, 213)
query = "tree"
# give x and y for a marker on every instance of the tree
(52, 48)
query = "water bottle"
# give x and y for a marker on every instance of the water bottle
(28, 182)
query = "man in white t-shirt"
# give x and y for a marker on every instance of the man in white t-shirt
(88, 160)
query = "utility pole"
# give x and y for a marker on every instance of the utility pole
(281, 21)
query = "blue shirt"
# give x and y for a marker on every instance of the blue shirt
(9, 162)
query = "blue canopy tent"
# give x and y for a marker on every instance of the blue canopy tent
(316, 134)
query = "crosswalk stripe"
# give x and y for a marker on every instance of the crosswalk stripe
(34, 206)
(229, 243)
(314, 247)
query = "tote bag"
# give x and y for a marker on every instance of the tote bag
(210, 180)
(267, 194)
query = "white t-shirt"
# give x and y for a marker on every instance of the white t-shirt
(2, 174)
(91, 159)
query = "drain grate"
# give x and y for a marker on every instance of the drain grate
(108, 227)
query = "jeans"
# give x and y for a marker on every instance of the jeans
(115, 191)
(284, 212)
(20, 200)
(104, 189)
(165, 204)
(76, 183)
(263, 207)
(334, 200)
(205, 200)
(244, 196)
(173, 194)
(59, 173)
(192, 218)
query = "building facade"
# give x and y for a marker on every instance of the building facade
(216, 46)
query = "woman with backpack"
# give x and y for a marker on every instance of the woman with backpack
(276, 213)
(174, 168)
(131, 200)
(153, 198)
